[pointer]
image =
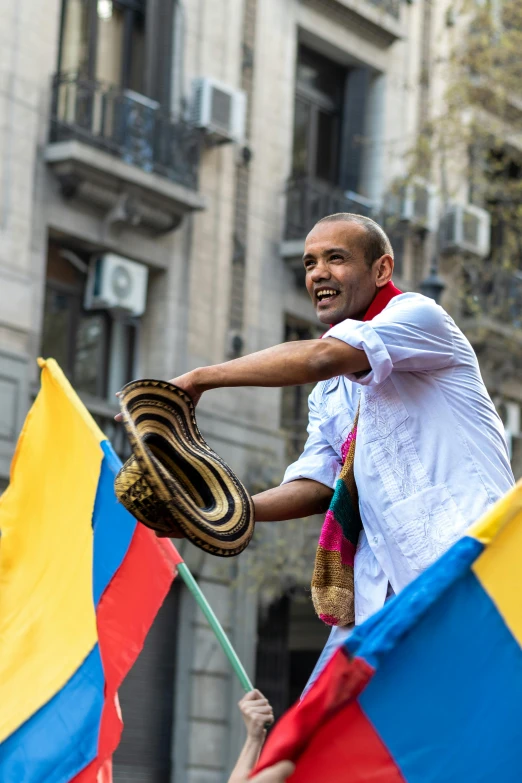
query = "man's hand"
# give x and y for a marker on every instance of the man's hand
(187, 382)
(257, 714)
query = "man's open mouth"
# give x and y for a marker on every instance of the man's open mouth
(326, 294)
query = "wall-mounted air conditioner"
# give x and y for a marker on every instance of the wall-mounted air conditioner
(116, 283)
(218, 109)
(466, 228)
(418, 204)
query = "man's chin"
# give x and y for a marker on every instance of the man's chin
(330, 316)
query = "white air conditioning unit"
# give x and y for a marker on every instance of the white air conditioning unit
(219, 110)
(116, 283)
(419, 204)
(466, 228)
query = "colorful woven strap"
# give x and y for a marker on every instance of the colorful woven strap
(332, 581)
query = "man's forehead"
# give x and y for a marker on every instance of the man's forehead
(339, 233)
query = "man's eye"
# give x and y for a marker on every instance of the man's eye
(308, 264)
(336, 257)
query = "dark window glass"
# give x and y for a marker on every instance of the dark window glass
(301, 136)
(57, 324)
(319, 74)
(105, 40)
(91, 346)
(80, 340)
(120, 44)
(317, 121)
(137, 65)
(75, 37)
(327, 138)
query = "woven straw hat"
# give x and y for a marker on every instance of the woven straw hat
(174, 480)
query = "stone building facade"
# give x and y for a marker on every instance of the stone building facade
(99, 155)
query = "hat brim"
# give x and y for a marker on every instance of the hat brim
(174, 480)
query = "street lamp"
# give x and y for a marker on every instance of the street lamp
(433, 285)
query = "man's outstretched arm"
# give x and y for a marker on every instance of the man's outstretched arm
(288, 364)
(300, 498)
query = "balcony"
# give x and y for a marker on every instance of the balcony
(307, 201)
(119, 151)
(392, 7)
(383, 17)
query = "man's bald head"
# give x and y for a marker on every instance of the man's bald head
(375, 240)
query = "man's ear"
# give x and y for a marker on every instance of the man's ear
(384, 269)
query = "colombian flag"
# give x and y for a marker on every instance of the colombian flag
(80, 584)
(429, 690)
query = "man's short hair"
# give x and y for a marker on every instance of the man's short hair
(376, 242)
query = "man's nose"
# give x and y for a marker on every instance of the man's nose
(320, 271)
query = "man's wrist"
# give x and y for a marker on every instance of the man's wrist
(255, 737)
(199, 379)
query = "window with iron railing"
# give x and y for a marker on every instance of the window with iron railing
(328, 143)
(113, 86)
(317, 118)
(108, 41)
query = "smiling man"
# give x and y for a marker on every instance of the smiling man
(428, 455)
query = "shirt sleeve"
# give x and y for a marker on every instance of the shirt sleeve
(319, 460)
(413, 334)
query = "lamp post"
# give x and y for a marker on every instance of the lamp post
(433, 285)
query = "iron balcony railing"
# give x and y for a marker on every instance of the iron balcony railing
(125, 124)
(392, 7)
(308, 200)
(494, 292)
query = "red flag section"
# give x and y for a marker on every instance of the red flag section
(347, 748)
(125, 613)
(340, 683)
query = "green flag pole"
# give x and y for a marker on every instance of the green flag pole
(216, 626)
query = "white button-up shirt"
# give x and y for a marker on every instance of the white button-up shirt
(431, 454)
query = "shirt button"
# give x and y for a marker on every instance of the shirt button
(375, 539)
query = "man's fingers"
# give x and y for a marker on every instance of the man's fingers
(118, 417)
(251, 712)
(263, 709)
(253, 695)
(256, 703)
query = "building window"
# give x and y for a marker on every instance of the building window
(318, 114)
(95, 350)
(331, 105)
(119, 42)
(331, 160)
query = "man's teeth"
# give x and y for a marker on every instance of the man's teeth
(325, 293)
